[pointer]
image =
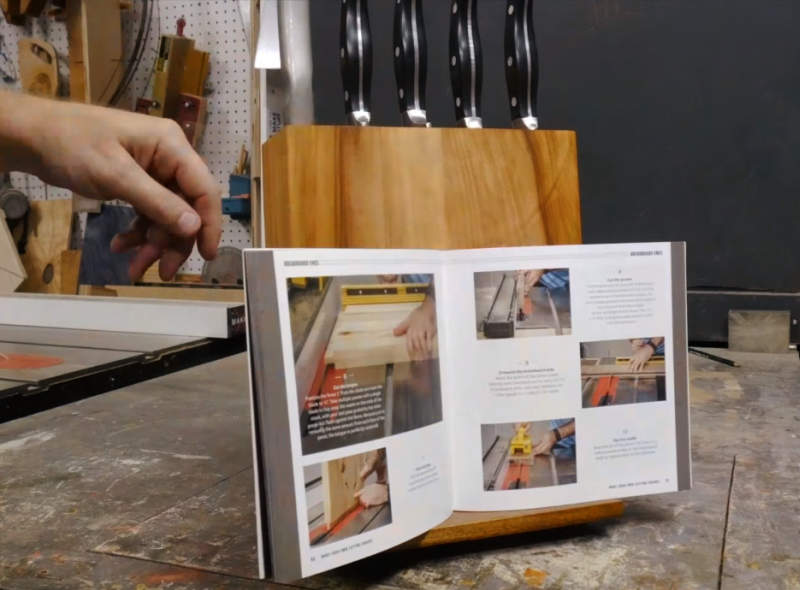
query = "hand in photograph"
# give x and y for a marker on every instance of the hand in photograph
(642, 350)
(419, 328)
(552, 436)
(373, 494)
(374, 462)
(526, 279)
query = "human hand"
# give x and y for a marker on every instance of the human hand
(543, 446)
(374, 462)
(108, 154)
(388, 278)
(640, 357)
(528, 278)
(373, 494)
(419, 329)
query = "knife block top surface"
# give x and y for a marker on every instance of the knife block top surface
(401, 187)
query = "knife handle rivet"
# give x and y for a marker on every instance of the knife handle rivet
(341, 53)
(513, 101)
(510, 9)
(455, 7)
(453, 61)
(458, 101)
(510, 61)
(397, 51)
(401, 93)
(346, 95)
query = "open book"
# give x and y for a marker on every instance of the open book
(392, 387)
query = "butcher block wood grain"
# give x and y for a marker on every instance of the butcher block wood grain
(379, 187)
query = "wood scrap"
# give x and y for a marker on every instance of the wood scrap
(195, 72)
(179, 292)
(38, 67)
(191, 116)
(69, 271)
(151, 276)
(49, 228)
(95, 291)
(94, 31)
(12, 271)
(168, 75)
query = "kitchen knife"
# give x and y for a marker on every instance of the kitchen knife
(522, 64)
(355, 54)
(410, 61)
(466, 68)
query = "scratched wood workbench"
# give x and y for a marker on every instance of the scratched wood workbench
(151, 487)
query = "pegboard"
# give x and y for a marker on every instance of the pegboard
(220, 27)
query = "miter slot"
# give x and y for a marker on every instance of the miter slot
(500, 321)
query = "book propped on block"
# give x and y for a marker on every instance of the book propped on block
(393, 387)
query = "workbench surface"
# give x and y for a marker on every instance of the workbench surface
(151, 487)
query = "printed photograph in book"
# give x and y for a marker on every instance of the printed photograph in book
(627, 371)
(522, 303)
(519, 455)
(347, 496)
(365, 356)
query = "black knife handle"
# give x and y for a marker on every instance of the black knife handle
(522, 64)
(410, 60)
(466, 63)
(355, 54)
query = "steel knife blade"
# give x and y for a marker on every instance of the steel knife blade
(355, 55)
(522, 64)
(466, 67)
(410, 61)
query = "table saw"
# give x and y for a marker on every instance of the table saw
(503, 469)
(504, 310)
(609, 381)
(44, 363)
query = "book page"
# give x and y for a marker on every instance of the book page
(566, 388)
(364, 464)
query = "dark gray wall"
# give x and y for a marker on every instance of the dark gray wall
(687, 114)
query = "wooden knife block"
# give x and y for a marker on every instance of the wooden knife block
(390, 187)
(400, 187)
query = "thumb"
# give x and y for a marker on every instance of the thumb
(402, 327)
(128, 181)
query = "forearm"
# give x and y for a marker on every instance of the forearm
(22, 119)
